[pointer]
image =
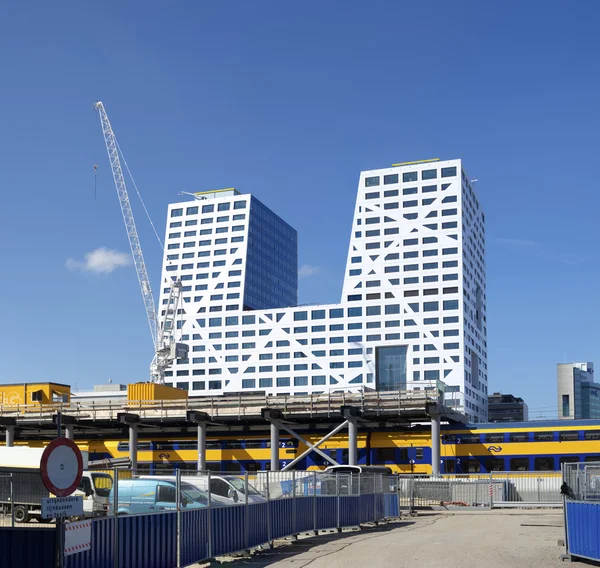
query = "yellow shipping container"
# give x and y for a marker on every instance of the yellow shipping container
(30, 396)
(153, 391)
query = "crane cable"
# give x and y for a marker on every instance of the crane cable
(139, 195)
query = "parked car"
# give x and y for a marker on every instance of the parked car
(153, 495)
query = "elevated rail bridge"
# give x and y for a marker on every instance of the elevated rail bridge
(243, 413)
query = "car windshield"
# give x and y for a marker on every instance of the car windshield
(240, 486)
(194, 493)
(102, 483)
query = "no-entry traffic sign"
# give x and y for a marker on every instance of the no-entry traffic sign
(61, 467)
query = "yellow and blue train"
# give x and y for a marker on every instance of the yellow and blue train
(472, 448)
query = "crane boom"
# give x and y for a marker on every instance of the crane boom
(134, 241)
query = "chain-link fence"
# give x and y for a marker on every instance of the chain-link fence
(582, 481)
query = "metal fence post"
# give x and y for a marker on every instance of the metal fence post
(337, 492)
(375, 498)
(209, 523)
(315, 502)
(294, 508)
(246, 512)
(12, 502)
(116, 515)
(269, 531)
(411, 506)
(178, 508)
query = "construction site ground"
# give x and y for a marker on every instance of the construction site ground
(457, 539)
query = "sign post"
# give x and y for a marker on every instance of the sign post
(61, 468)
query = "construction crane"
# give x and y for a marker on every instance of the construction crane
(166, 349)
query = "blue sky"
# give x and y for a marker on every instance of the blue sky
(290, 101)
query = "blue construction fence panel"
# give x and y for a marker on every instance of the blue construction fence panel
(583, 529)
(28, 547)
(350, 513)
(258, 530)
(282, 517)
(194, 536)
(148, 541)
(228, 529)
(101, 554)
(326, 513)
(305, 514)
(390, 505)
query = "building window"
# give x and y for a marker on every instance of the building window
(390, 179)
(176, 212)
(429, 174)
(566, 410)
(409, 176)
(449, 172)
(391, 367)
(450, 304)
(372, 181)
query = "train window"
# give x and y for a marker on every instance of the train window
(543, 436)
(252, 466)
(470, 466)
(344, 458)
(233, 444)
(214, 445)
(231, 466)
(569, 459)
(255, 444)
(494, 438)
(403, 455)
(124, 446)
(449, 466)
(419, 453)
(468, 439)
(518, 437)
(213, 466)
(568, 436)
(519, 464)
(543, 464)
(494, 464)
(592, 435)
(383, 455)
(592, 458)
(449, 439)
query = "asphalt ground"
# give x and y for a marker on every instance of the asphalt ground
(469, 539)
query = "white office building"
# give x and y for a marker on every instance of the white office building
(413, 306)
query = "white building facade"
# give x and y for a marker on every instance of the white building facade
(413, 306)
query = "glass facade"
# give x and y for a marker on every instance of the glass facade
(391, 368)
(271, 262)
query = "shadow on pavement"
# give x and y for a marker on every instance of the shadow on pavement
(285, 549)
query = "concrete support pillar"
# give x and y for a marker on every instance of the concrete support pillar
(274, 445)
(435, 444)
(70, 431)
(352, 441)
(10, 436)
(201, 446)
(133, 443)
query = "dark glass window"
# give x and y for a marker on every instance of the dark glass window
(409, 176)
(391, 367)
(519, 464)
(389, 179)
(372, 181)
(543, 464)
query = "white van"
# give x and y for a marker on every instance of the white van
(227, 490)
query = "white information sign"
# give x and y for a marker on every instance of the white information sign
(61, 507)
(78, 537)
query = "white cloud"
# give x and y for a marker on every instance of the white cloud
(99, 261)
(308, 270)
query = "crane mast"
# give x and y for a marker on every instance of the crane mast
(166, 350)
